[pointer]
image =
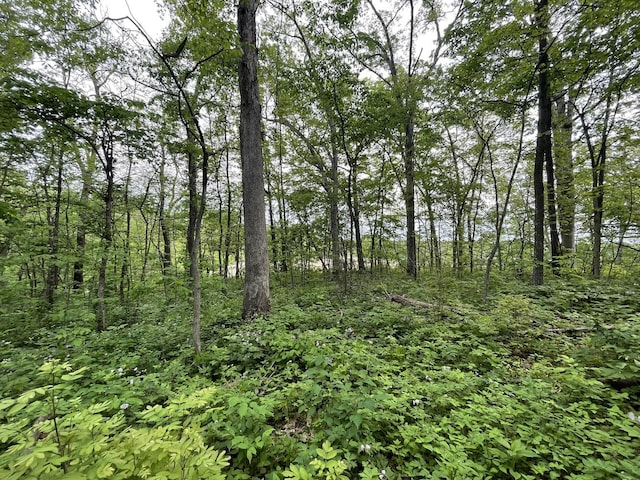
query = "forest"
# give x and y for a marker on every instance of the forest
(320, 239)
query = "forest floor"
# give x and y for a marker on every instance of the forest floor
(341, 381)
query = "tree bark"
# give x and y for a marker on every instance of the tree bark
(256, 288)
(87, 172)
(165, 255)
(409, 190)
(51, 281)
(551, 202)
(107, 228)
(334, 191)
(501, 215)
(597, 192)
(563, 153)
(543, 142)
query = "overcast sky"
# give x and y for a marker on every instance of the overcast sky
(145, 13)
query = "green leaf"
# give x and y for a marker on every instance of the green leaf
(326, 452)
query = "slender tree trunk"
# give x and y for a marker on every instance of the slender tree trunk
(125, 272)
(87, 172)
(334, 191)
(107, 228)
(228, 233)
(282, 209)
(51, 281)
(256, 288)
(472, 222)
(148, 241)
(434, 245)
(354, 211)
(409, 194)
(500, 216)
(551, 208)
(597, 192)
(275, 251)
(543, 141)
(563, 154)
(165, 257)
(193, 246)
(458, 241)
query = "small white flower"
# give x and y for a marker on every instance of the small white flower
(124, 406)
(120, 370)
(362, 447)
(349, 330)
(415, 402)
(131, 381)
(631, 416)
(383, 474)
(367, 447)
(427, 378)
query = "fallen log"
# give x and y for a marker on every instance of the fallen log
(410, 302)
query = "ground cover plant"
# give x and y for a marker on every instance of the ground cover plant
(319, 239)
(336, 384)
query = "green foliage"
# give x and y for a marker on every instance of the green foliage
(70, 439)
(337, 384)
(327, 465)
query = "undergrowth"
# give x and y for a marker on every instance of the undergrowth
(336, 384)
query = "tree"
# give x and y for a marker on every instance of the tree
(543, 141)
(256, 288)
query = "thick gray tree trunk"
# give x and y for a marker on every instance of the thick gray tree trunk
(256, 287)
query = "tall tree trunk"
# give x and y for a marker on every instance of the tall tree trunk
(405, 96)
(409, 191)
(563, 154)
(229, 233)
(598, 157)
(51, 281)
(193, 246)
(165, 255)
(597, 190)
(334, 191)
(275, 251)
(501, 215)
(434, 246)
(551, 206)
(282, 209)
(354, 212)
(543, 142)
(256, 288)
(125, 271)
(87, 172)
(107, 228)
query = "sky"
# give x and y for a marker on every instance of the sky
(145, 12)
